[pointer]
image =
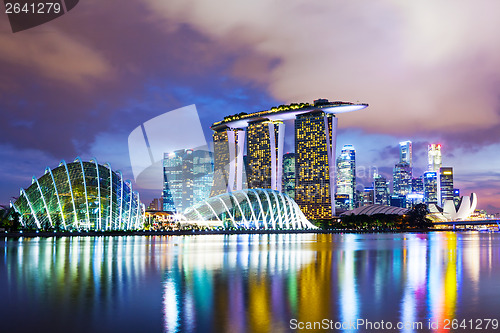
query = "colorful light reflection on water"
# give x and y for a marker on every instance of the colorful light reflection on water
(247, 283)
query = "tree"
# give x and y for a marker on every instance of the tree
(416, 217)
(9, 219)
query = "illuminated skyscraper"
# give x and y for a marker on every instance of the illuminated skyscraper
(417, 191)
(289, 174)
(430, 187)
(445, 185)
(203, 171)
(172, 180)
(405, 153)
(402, 178)
(434, 156)
(381, 190)
(417, 185)
(188, 177)
(228, 159)
(315, 140)
(368, 196)
(314, 147)
(346, 173)
(402, 173)
(265, 141)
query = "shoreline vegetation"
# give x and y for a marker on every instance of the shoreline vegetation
(413, 221)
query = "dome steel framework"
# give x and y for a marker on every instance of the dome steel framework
(250, 209)
(80, 195)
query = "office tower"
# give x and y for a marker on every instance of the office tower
(228, 159)
(434, 156)
(405, 153)
(445, 185)
(399, 201)
(417, 191)
(156, 205)
(289, 174)
(315, 140)
(188, 178)
(346, 173)
(368, 196)
(172, 180)
(203, 170)
(402, 174)
(342, 202)
(265, 141)
(381, 190)
(430, 187)
(417, 185)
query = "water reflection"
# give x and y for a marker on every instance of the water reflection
(249, 283)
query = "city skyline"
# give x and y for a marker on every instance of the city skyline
(424, 80)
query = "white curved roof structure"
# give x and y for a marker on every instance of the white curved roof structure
(376, 209)
(250, 209)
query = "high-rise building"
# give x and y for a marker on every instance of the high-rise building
(188, 178)
(265, 141)
(314, 147)
(368, 196)
(229, 168)
(346, 173)
(445, 185)
(172, 180)
(156, 205)
(417, 192)
(434, 157)
(289, 174)
(342, 202)
(315, 140)
(203, 170)
(405, 153)
(381, 190)
(430, 187)
(417, 185)
(402, 174)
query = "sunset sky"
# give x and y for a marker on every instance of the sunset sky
(430, 70)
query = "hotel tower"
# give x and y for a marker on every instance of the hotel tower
(264, 133)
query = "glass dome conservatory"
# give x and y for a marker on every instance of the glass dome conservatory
(250, 209)
(80, 196)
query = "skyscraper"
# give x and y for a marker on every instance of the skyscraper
(314, 147)
(265, 141)
(417, 191)
(368, 196)
(445, 185)
(203, 170)
(405, 153)
(289, 174)
(402, 178)
(417, 185)
(434, 157)
(346, 173)
(381, 190)
(172, 180)
(188, 178)
(402, 172)
(430, 187)
(315, 140)
(228, 159)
